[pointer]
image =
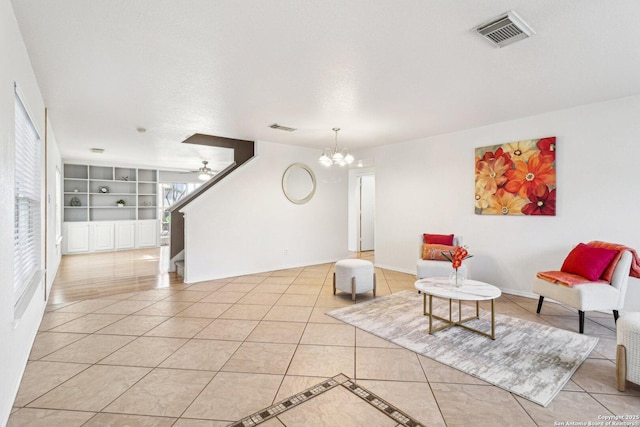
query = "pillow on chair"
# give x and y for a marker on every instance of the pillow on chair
(587, 261)
(438, 239)
(434, 252)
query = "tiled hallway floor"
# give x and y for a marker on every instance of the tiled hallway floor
(211, 353)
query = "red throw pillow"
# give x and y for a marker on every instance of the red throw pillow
(434, 252)
(438, 239)
(588, 261)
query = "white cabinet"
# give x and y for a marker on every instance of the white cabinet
(148, 233)
(109, 235)
(76, 237)
(103, 236)
(125, 234)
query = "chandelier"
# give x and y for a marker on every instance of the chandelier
(335, 156)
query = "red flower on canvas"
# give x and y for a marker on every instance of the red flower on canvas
(537, 173)
(547, 147)
(490, 156)
(543, 202)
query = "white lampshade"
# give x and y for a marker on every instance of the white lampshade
(325, 160)
(349, 158)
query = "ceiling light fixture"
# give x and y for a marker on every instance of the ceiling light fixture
(335, 156)
(97, 150)
(205, 171)
(284, 128)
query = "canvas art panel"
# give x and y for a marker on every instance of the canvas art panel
(516, 178)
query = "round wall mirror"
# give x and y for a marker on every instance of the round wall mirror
(299, 183)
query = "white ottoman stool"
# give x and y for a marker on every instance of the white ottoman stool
(354, 276)
(628, 352)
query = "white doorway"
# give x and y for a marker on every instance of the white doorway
(361, 210)
(367, 209)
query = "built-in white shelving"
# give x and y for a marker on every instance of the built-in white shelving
(91, 193)
(93, 219)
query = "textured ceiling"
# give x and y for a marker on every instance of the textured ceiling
(383, 71)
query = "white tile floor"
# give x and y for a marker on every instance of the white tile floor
(214, 352)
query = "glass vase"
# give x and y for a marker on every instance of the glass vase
(458, 276)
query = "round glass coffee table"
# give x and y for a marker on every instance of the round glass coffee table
(471, 290)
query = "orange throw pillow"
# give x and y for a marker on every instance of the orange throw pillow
(434, 251)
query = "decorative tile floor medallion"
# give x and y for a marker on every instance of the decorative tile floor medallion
(340, 380)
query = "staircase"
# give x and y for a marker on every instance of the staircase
(180, 268)
(243, 151)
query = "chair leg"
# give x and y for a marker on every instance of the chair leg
(615, 316)
(540, 304)
(621, 367)
(374, 285)
(353, 288)
(581, 320)
(334, 283)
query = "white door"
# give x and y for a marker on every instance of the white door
(103, 236)
(76, 237)
(367, 212)
(125, 235)
(147, 234)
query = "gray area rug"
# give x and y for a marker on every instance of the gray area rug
(528, 359)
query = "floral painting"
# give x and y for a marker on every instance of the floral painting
(517, 178)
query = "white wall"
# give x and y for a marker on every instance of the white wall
(54, 248)
(245, 224)
(16, 337)
(427, 185)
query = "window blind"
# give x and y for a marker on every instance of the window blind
(28, 225)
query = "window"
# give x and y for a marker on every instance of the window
(28, 225)
(172, 193)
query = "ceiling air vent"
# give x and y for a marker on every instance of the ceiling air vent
(285, 128)
(505, 29)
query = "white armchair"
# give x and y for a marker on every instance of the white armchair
(589, 296)
(436, 268)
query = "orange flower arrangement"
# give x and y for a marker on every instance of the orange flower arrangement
(457, 257)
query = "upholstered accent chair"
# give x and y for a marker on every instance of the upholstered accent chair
(437, 268)
(597, 295)
(628, 351)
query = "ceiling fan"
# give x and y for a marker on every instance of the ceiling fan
(204, 172)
